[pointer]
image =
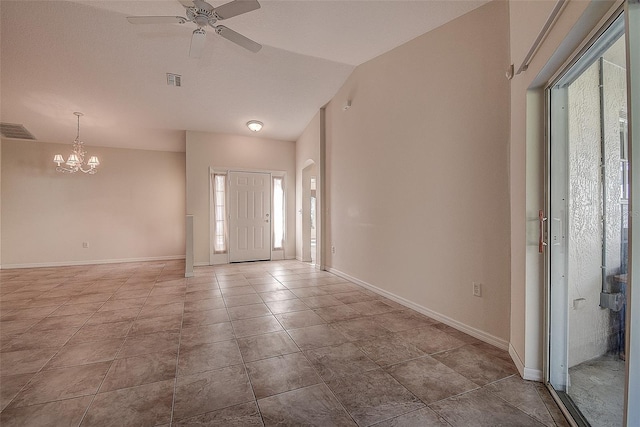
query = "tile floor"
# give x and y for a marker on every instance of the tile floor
(272, 343)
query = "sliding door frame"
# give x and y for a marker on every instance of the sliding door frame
(632, 34)
(631, 9)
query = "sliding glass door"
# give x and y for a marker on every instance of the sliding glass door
(588, 232)
(632, 12)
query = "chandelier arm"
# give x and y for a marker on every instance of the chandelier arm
(65, 170)
(90, 171)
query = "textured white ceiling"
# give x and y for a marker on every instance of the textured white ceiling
(58, 57)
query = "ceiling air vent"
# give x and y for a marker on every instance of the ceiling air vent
(173, 79)
(14, 131)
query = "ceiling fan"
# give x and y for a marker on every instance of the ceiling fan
(202, 14)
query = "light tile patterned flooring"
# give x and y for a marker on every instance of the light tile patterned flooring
(271, 343)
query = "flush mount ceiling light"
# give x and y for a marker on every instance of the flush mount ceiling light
(254, 125)
(75, 163)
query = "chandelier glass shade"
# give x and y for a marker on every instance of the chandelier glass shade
(75, 162)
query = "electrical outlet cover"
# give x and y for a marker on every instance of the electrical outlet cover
(477, 289)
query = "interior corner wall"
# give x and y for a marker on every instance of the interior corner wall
(307, 148)
(526, 164)
(132, 209)
(205, 150)
(417, 173)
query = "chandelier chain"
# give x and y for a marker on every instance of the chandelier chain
(78, 132)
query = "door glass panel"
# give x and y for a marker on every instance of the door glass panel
(312, 210)
(219, 213)
(278, 212)
(588, 232)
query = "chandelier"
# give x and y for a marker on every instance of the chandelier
(75, 163)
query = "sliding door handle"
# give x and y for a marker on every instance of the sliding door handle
(541, 221)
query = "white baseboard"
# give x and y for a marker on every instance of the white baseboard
(516, 359)
(533, 375)
(526, 373)
(200, 264)
(91, 262)
(477, 333)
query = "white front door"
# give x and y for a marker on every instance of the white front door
(249, 216)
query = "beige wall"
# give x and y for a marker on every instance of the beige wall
(526, 156)
(417, 173)
(206, 150)
(132, 209)
(307, 150)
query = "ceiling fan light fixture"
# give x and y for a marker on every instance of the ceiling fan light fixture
(254, 125)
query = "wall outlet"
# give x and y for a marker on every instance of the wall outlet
(477, 289)
(333, 249)
(85, 245)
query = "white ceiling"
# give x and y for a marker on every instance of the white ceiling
(58, 57)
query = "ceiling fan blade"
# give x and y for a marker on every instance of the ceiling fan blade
(156, 19)
(238, 39)
(201, 4)
(186, 3)
(197, 42)
(235, 8)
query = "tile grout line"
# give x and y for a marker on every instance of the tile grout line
(380, 368)
(244, 362)
(86, 411)
(514, 406)
(175, 379)
(318, 374)
(51, 358)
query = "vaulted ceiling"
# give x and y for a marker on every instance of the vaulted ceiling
(58, 57)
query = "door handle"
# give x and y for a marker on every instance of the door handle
(541, 221)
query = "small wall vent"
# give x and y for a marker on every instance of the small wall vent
(15, 131)
(173, 79)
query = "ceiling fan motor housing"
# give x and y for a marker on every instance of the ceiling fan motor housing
(201, 17)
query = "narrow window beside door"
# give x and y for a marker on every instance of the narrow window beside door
(278, 213)
(220, 214)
